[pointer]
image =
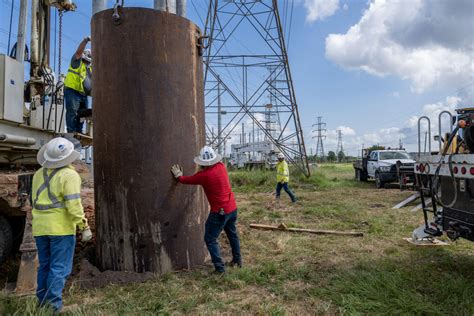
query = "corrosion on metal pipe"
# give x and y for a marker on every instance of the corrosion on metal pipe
(148, 114)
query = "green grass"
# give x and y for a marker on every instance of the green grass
(326, 176)
(288, 273)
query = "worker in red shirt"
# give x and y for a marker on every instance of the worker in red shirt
(214, 179)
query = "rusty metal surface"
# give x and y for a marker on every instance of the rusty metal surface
(26, 280)
(148, 114)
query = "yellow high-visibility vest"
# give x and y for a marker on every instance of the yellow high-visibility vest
(283, 173)
(57, 206)
(75, 77)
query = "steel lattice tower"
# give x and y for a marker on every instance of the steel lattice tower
(339, 142)
(321, 130)
(246, 58)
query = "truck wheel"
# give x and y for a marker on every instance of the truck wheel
(6, 238)
(378, 182)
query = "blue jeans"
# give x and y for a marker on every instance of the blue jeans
(287, 190)
(55, 255)
(214, 225)
(74, 102)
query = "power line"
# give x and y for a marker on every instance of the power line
(197, 12)
(10, 29)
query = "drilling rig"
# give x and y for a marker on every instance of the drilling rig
(31, 113)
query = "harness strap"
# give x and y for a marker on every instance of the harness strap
(45, 186)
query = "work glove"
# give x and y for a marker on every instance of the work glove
(87, 38)
(177, 171)
(86, 234)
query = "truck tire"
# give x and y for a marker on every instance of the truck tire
(363, 176)
(378, 182)
(6, 238)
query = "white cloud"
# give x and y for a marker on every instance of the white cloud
(390, 136)
(395, 94)
(320, 9)
(346, 130)
(345, 7)
(425, 42)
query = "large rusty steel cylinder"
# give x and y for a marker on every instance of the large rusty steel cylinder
(148, 113)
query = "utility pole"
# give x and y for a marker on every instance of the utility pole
(321, 134)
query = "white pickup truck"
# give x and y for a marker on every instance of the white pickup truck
(381, 165)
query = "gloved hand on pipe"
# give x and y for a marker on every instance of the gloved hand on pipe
(86, 234)
(87, 38)
(177, 171)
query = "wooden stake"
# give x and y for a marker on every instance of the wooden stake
(283, 227)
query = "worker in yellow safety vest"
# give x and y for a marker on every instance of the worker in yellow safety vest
(78, 86)
(283, 177)
(57, 213)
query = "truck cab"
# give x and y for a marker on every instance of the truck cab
(382, 165)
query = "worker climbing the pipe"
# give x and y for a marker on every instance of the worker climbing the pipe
(57, 213)
(214, 179)
(283, 176)
(78, 86)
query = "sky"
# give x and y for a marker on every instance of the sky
(370, 68)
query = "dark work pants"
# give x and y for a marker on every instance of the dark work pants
(74, 102)
(287, 190)
(214, 225)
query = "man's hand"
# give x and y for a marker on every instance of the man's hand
(177, 171)
(86, 234)
(87, 38)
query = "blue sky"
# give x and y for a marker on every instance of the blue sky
(346, 75)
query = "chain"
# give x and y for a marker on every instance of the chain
(116, 15)
(60, 39)
(58, 96)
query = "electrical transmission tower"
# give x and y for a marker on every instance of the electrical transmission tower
(247, 76)
(321, 134)
(339, 142)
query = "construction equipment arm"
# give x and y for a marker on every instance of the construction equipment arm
(81, 47)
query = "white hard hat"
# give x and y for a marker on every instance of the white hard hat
(87, 55)
(280, 156)
(57, 153)
(207, 157)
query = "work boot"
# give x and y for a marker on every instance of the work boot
(234, 264)
(218, 272)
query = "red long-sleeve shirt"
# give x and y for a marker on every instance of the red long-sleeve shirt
(216, 185)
